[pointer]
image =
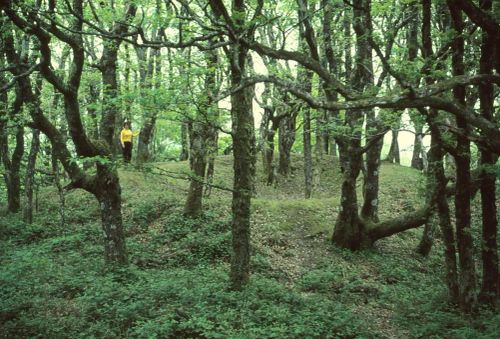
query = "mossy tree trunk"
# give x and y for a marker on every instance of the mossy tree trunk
(151, 81)
(244, 168)
(286, 136)
(243, 135)
(202, 138)
(412, 43)
(198, 163)
(12, 164)
(490, 288)
(349, 231)
(268, 157)
(308, 170)
(463, 176)
(212, 130)
(435, 173)
(30, 176)
(108, 192)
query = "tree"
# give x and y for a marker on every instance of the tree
(11, 115)
(243, 135)
(202, 133)
(490, 284)
(104, 185)
(352, 231)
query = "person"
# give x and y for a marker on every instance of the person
(126, 136)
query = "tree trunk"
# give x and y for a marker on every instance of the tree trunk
(12, 164)
(30, 176)
(286, 139)
(198, 162)
(304, 76)
(108, 193)
(12, 167)
(145, 136)
(369, 210)
(490, 282)
(412, 43)
(427, 240)
(108, 67)
(60, 189)
(321, 138)
(243, 135)
(244, 168)
(269, 154)
(308, 175)
(184, 141)
(416, 159)
(110, 94)
(349, 231)
(463, 181)
(212, 149)
(449, 242)
(393, 155)
(211, 133)
(92, 98)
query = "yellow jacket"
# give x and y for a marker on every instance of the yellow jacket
(126, 135)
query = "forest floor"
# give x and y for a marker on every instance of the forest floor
(54, 284)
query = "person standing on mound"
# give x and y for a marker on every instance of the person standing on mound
(126, 136)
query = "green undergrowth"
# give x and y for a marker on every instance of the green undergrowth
(54, 283)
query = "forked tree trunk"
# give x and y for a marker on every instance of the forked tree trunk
(393, 155)
(349, 232)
